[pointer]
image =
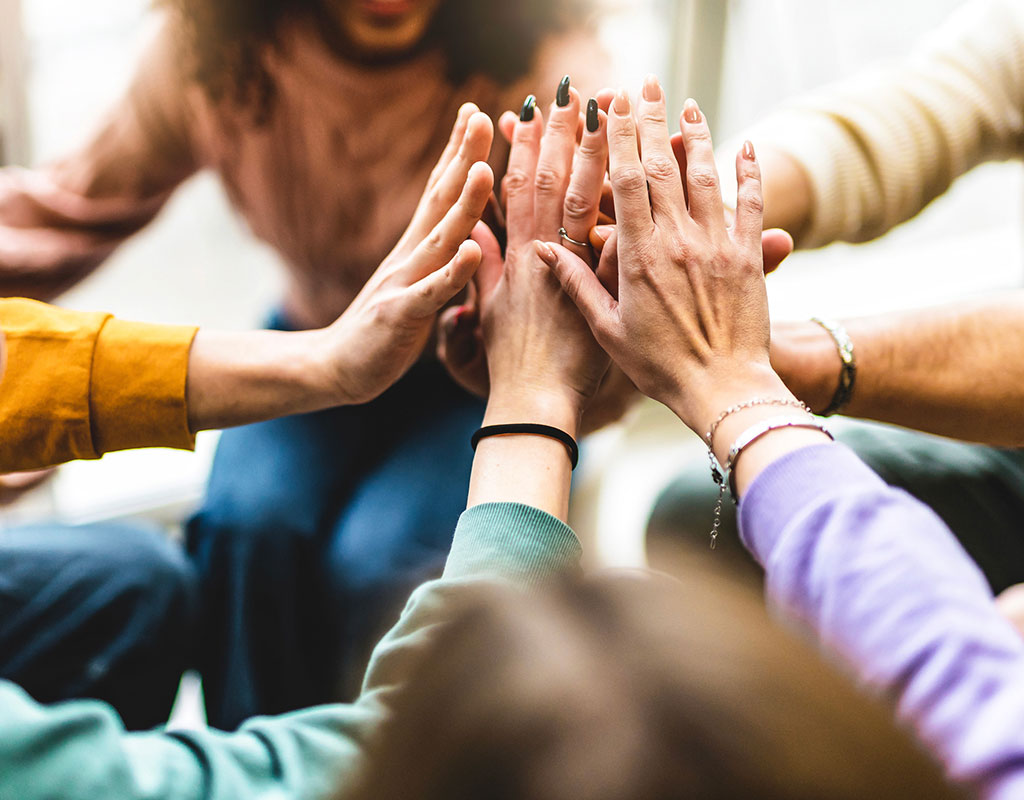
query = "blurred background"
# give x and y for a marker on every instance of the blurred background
(62, 62)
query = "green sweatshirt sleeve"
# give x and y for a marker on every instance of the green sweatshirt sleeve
(80, 750)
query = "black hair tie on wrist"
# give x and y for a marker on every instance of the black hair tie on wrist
(534, 429)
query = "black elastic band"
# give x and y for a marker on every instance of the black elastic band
(531, 428)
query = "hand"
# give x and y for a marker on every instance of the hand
(541, 356)
(386, 327)
(690, 325)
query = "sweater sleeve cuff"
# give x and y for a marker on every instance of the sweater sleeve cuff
(511, 541)
(137, 389)
(791, 486)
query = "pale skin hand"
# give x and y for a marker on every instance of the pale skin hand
(239, 378)
(690, 324)
(544, 365)
(953, 370)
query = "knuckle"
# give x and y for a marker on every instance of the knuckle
(435, 241)
(590, 149)
(547, 180)
(629, 179)
(661, 168)
(751, 200)
(701, 177)
(516, 181)
(577, 206)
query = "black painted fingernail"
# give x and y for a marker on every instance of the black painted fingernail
(562, 95)
(593, 122)
(526, 115)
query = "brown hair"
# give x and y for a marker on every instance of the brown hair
(224, 39)
(634, 688)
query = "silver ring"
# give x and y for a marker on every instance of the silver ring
(568, 238)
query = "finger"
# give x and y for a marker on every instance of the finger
(660, 165)
(702, 183)
(599, 236)
(679, 151)
(604, 99)
(454, 142)
(507, 125)
(522, 171)
(554, 165)
(444, 240)
(776, 247)
(430, 294)
(583, 197)
(629, 183)
(489, 272)
(582, 287)
(749, 222)
(608, 266)
(437, 201)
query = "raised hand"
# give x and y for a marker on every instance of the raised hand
(386, 327)
(690, 323)
(542, 359)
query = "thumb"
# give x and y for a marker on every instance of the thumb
(581, 285)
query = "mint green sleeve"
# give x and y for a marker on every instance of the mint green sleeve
(80, 750)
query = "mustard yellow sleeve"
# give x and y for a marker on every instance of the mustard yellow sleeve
(78, 385)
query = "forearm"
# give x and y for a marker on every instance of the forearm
(237, 378)
(528, 469)
(882, 583)
(953, 371)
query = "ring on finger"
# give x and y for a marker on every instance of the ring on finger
(568, 238)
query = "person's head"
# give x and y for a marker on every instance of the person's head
(633, 688)
(225, 38)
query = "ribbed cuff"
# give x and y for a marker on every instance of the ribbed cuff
(511, 541)
(792, 485)
(137, 392)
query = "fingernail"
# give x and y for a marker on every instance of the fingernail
(621, 103)
(546, 253)
(691, 111)
(593, 120)
(529, 106)
(652, 89)
(461, 315)
(748, 151)
(562, 95)
(604, 232)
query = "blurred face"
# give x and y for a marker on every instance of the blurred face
(385, 27)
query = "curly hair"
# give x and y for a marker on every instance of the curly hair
(223, 39)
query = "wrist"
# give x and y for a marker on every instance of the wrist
(805, 357)
(698, 408)
(559, 409)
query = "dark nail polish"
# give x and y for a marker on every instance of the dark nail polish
(562, 95)
(593, 121)
(529, 106)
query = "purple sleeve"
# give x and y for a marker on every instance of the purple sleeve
(880, 581)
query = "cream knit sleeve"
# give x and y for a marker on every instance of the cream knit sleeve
(879, 147)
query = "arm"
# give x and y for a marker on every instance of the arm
(80, 750)
(79, 385)
(60, 222)
(953, 371)
(850, 161)
(879, 580)
(873, 574)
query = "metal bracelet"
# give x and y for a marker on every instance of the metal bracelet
(755, 432)
(848, 375)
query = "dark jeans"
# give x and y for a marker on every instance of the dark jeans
(314, 530)
(977, 490)
(102, 611)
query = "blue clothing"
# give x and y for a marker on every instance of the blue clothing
(314, 530)
(100, 611)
